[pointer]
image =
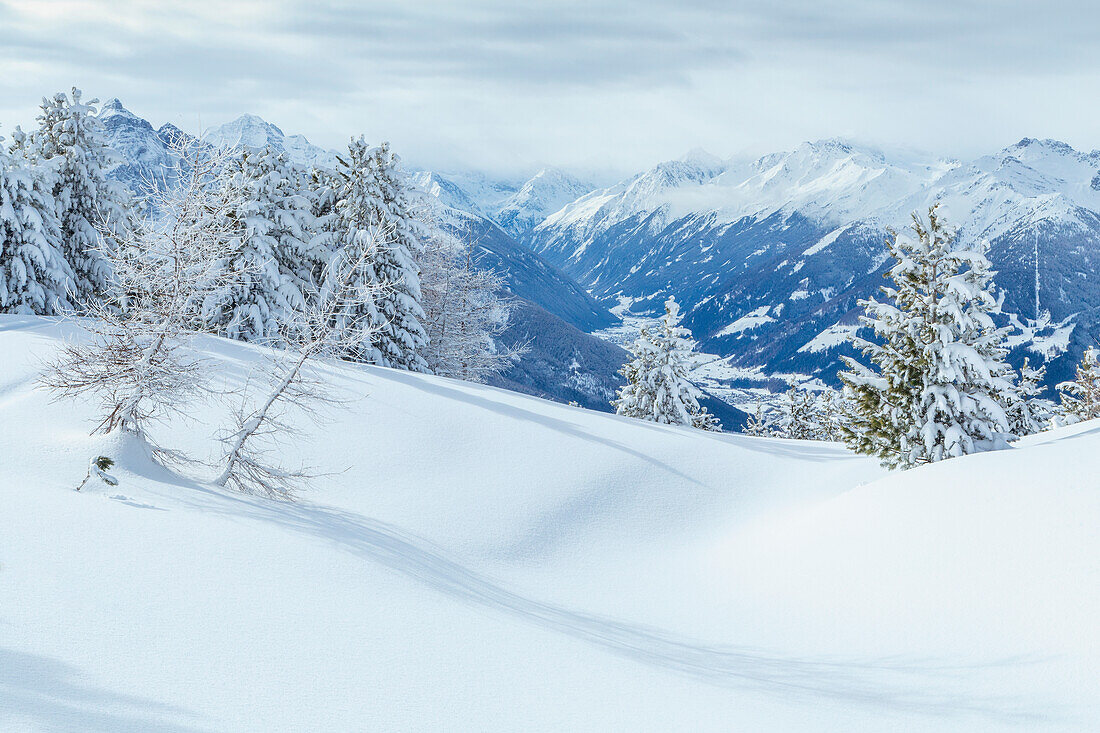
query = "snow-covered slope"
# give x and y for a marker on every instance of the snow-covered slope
(454, 572)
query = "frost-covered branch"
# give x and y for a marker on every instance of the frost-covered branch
(137, 363)
(335, 323)
(465, 311)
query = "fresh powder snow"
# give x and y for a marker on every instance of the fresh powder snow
(477, 559)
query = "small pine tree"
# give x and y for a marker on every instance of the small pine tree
(136, 362)
(828, 411)
(941, 383)
(94, 212)
(757, 423)
(801, 415)
(657, 385)
(1080, 397)
(465, 310)
(799, 419)
(34, 276)
(1027, 412)
(704, 420)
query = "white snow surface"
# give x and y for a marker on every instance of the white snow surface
(832, 337)
(754, 319)
(480, 560)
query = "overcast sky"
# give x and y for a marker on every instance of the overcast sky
(507, 85)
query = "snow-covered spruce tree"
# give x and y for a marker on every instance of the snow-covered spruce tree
(1080, 397)
(465, 310)
(827, 410)
(1027, 412)
(657, 385)
(757, 424)
(322, 189)
(136, 362)
(94, 213)
(939, 383)
(801, 415)
(374, 196)
(34, 276)
(798, 420)
(274, 221)
(250, 464)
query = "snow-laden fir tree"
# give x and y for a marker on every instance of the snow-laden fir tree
(829, 414)
(939, 383)
(322, 188)
(801, 414)
(756, 424)
(657, 386)
(1080, 397)
(1027, 412)
(34, 276)
(94, 213)
(465, 310)
(799, 419)
(273, 220)
(374, 197)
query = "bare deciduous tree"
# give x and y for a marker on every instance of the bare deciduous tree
(137, 363)
(465, 311)
(333, 325)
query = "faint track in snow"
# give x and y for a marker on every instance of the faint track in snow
(890, 683)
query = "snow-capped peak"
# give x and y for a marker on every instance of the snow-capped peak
(247, 131)
(544, 193)
(114, 108)
(702, 158)
(251, 131)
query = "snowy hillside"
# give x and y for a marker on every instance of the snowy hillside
(797, 237)
(479, 560)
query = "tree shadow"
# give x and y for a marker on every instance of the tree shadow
(47, 694)
(923, 686)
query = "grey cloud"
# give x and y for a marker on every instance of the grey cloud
(568, 44)
(608, 83)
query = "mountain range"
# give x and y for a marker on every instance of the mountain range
(772, 255)
(769, 256)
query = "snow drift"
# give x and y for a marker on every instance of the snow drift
(476, 559)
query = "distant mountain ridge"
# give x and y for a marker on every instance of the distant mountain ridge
(768, 255)
(771, 255)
